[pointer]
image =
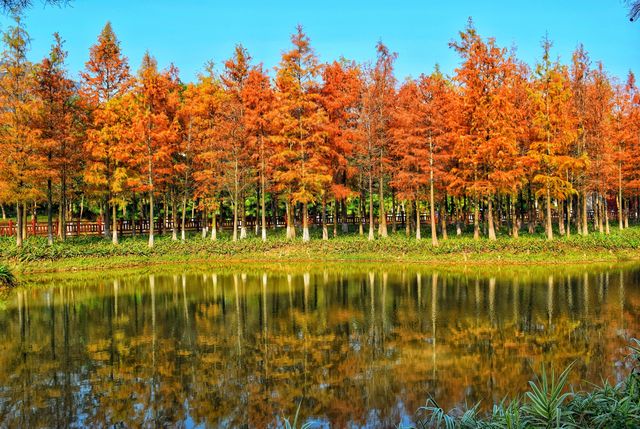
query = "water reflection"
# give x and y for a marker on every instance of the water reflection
(234, 348)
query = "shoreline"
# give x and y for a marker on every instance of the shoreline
(95, 253)
(449, 261)
(106, 263)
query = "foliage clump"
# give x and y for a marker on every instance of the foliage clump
(549, 403)
(7, 278)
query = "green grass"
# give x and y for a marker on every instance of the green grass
(550, 404)
(96, 252)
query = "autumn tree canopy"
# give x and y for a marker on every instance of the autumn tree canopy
(493, 147)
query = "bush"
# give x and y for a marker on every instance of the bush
(548, 404)
(7, 279)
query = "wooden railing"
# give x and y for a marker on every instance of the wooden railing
(126, 227)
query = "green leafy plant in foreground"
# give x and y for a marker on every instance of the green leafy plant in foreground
(289, 425)
(548, 404)
(7, 279)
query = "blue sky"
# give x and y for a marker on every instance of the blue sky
(190, 32)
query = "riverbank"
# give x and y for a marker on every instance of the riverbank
(81, 253)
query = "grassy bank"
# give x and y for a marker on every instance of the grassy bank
(95, 252)
(549, 404)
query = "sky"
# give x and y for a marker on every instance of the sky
(189, 33)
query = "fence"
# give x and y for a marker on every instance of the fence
(126, 227)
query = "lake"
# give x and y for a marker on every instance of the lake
(354, 345)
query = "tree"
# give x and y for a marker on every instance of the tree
(489, 161)
(106, 78)
(377, 104)
(579, 73)
(187, 114)
(58, 120)
(156, 129)
(341, 97)
(411, 148)
(626, 129)
(22, 165)
(634, 9)
(554, 132)
(236, 171)
(599, 145)
(207, 99)
(17, 6)
(259, 99)
(424, 126)
(300, 137)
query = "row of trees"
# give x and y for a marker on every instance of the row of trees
(498, 142)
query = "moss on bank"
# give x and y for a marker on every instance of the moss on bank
(95, 252)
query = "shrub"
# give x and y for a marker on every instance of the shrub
(548, 404)
(7, 279)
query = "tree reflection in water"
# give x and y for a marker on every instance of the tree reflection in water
(243, 348)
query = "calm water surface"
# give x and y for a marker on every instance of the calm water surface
(357, 347)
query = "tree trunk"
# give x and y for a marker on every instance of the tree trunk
(371, 237)
(394, 226)
(263, 210)
(151, 222)
(49, 213)
(382, 227)
(235, 216)
(184, 216)
(459, 213)
(443, 220)
(531, 226)
(305, 223)
(476, 219)
(62, 224)
(19, 218)
(432, 204)
(4, 214)
(418, 228)
(620, 199)
(205, 221)
(114, 223)
(569, 213)
(243, 218)
(214, 226)
(606, 216)
(361, 214)
(291, 229)
(620, 209)
(561, 224)
(515, 229)
(345, 225)
(165, 214)
(584, 222)
(325, 232)
(174, 217)
(24, 221)
(626, 212)
(407, 218)
(549, 225)
(134, 212)
(492, 231)
(106, 221)
(601, 213)
(336, 215)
